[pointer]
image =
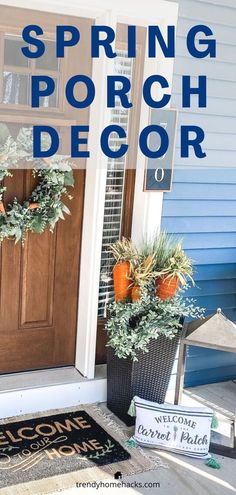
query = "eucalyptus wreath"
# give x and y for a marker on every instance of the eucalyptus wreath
(44, 207)
(131, 326)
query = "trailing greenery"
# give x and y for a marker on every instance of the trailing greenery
(131, 326)
(45, 206)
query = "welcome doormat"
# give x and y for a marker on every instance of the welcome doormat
(63, 448)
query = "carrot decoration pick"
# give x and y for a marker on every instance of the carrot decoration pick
(33, 206)
(2, 209)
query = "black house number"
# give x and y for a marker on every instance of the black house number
(159, 171)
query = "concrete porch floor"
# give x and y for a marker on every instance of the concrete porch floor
(185, 476)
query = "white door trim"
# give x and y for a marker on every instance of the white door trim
(95, 187)
(147, 208)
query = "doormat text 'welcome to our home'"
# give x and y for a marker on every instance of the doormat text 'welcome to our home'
(42, 447)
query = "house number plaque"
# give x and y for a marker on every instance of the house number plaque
(159, 171)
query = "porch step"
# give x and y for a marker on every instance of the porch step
(38, 391)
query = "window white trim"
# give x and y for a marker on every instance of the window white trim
(146, 208)
(94, 8)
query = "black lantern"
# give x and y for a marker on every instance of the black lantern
(214, 332)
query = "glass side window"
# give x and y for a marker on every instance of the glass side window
(114, 197)
(16, 71)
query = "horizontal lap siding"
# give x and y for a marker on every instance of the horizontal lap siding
(202, 205)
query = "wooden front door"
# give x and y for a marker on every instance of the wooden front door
(39, 288)
(39, 281)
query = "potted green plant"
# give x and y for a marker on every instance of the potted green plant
(142, 342)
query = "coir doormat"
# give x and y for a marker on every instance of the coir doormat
(64, 448)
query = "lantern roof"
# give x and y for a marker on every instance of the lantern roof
(215, 331)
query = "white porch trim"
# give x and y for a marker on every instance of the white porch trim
(38, 391)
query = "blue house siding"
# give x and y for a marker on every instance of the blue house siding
(202, 205)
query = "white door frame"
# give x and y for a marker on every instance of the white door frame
(147, 206)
